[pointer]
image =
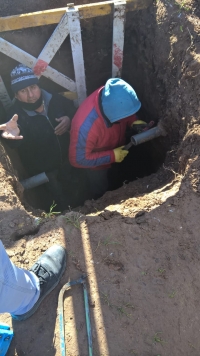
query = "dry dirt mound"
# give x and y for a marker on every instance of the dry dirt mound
(140, 244)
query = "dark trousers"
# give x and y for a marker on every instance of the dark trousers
(98, 180)
(68, 186)
(55, 188)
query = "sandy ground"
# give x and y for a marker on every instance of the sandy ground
(139, 245)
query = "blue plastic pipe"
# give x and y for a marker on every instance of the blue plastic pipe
(146, 136)
(34, 181)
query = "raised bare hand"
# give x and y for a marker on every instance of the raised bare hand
(10, 129)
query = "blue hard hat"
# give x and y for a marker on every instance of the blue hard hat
(119, 100)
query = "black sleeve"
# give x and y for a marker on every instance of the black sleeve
(2, 114)
(63, 106)
(69, 107)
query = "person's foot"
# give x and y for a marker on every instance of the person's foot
(49, 269)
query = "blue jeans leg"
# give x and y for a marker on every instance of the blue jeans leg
(19, 288)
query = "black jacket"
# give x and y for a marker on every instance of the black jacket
(2, 114)
(40, 149)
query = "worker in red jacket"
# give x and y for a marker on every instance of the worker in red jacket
(98, 129)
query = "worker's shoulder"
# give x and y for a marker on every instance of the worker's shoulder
(88, 110)
(85, 117)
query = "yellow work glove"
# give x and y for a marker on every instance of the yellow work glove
(120, 154)
(138, 126)
(139, 122)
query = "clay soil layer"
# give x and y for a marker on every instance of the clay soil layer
(140, 244)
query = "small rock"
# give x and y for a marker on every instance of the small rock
(141, 220)
(21, 252)
(129, 221)
(12, 224)
(140, 213)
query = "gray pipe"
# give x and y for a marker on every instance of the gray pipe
(34, 181)
(146, 136)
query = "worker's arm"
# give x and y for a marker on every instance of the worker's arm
(81, 151)
(138, 125)
(12, 139)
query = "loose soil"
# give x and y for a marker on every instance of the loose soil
(139, 244)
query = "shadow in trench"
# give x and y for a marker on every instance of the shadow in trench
(141, 161)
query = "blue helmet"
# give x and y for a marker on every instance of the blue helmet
(119, 100)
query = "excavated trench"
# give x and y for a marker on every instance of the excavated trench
(142, 160)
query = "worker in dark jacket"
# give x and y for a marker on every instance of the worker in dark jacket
(98, 131)
(39, 130)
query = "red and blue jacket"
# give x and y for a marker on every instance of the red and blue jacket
(92, 139)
